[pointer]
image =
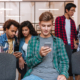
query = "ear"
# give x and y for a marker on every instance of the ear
(67, 11)
(6, 29)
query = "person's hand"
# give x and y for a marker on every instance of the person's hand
(21, 63)
(44, 51)
(61, 77)
(17, 54)
(75, 46)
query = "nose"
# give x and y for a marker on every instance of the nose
(46, 28)
(14, 33)
(23, 32)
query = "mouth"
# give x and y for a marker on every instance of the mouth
(72, 14)
(12, 36)
(45, 31)
(24, 34)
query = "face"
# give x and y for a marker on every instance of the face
(11, 31)
(25, 31)
(46, 27)
(71, 11)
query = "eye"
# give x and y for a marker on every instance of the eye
(26, 30)
(12, 31)
(49, 26)
(43, 25)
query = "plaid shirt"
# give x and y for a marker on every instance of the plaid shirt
(60, 58)
(61, 32)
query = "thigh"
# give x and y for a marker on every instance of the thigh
(32, 77)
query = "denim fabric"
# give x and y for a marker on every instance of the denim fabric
(4, 41)
(32, 77)
(21, 43)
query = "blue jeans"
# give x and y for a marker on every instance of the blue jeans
(32, 77)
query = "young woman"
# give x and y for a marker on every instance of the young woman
(26, 32)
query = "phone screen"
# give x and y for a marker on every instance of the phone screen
(17, 52)
(47, 44)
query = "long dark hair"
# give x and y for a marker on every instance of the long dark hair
(30, 26)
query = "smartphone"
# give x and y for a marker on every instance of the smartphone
(47, 44)
(17, 52)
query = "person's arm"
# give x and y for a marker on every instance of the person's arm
(57, 27)
(20, 47)
(0, 40)
(62, 59)
(17, 54)
(75, 32)
(32, 58)
(75, 38)
(21, 63)
(21, 60)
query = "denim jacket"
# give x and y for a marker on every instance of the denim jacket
(4, 42)
(21, 43)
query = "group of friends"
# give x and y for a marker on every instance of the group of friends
(34, 60)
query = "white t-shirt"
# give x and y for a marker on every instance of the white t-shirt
(24, 47)
(68, 29)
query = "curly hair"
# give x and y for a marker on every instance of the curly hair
(30, 26)
(10, 22)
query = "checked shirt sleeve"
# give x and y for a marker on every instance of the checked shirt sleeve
(57, 27)
(75, 32)
(33, 57)
(63, 59)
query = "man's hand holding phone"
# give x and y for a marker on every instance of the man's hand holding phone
(45, 49)
(17, 54)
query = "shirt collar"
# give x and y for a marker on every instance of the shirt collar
(5, 37)
(65, 17)
(54, 38)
